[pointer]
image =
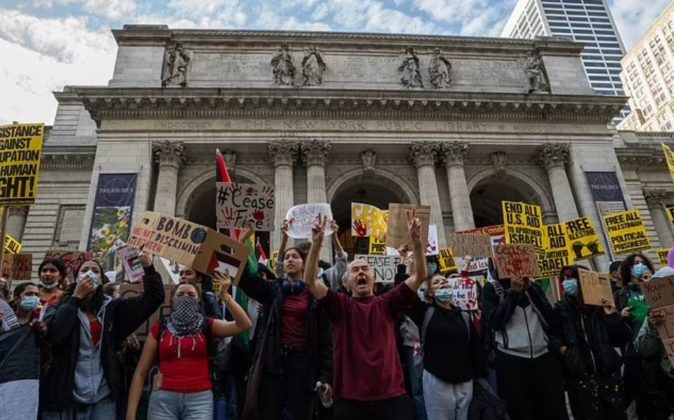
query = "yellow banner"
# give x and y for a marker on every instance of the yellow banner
(368, 220)
(377, 247)
(20, 150)
(12, 246)
(669, 157)
(557, 250)
(523, 223)
(447, 261)
(626, 231)
(583, 238)
(662, 255)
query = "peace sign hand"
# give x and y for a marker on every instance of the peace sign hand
(318, 229)
(414, 226)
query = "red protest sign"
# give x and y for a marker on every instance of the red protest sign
(516, 260)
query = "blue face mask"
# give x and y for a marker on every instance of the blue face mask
(638, 270)
(570, 287)
(93, 276)
(444, 295)
(29, 303)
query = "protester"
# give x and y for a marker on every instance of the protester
(85, 330)
(26, 302)
(368, 376)
(589, 336)
(293, 344)
(52, 273)
(181, 341)
(529, 378)
(452, 353)
(616, 277)
(4, 289)
(209, 303)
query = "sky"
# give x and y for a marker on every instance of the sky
(48, 44)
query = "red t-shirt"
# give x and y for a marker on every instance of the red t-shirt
(190, 372)
(367, 365)
(294, 331)
(95, 328)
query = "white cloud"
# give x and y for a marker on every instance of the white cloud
(469, 17)
(111, 9)
(633, 18)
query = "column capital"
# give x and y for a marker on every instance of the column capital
(315, 152)
(453, 153)
(283, 152)
(423, 153)
(655, 196)
(369, 160)
(169, 153)
(553, 155)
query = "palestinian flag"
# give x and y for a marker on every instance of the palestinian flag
(224, 263)
(222, 175)
(19, 373)
(261, 256)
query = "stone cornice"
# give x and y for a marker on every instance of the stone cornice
(68, 158)
(640, 155)
(119, 103)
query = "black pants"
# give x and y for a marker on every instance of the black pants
(599, 397)
(290, 391)
(533, 389)
(399, 408)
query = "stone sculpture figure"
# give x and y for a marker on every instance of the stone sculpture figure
(283, 68)
(439, 68)
(536, 74)
(176, 63)
(313, 67)
(409, 70)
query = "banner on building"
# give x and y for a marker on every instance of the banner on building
(669, 157)
(240, 205)
(523, 224)
(397, 233)
(368, 220)
(384, 267)
(596, 288)
(583, 238)
(446, 261)
(20, 154)
(302, 217)
(111, 219)
(606, 192)
(626, 232)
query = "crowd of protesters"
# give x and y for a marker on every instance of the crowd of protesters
(314, 341)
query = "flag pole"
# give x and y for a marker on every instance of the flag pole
(3, 228)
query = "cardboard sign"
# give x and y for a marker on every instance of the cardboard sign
(583, 239)
(666, 330)
(464, 292)
(596, 288)
(523, 223)
(384, 267)
(17, 267)
(20, 154)
(669, 157)
(128, 290)
(376, 247)
(626, 232)
(189, 244)
(662, 256)
(432, 246)
(446, 261)
(516, 260)
(133, 269)
(301, 218)
(659, 292)
(12, 246)
(238, 205)
(669, 348)
(71, 259)
(368, 220)
(476, 265)
(396, 233)
(475, 245)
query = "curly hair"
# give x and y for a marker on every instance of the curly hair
(626, 266)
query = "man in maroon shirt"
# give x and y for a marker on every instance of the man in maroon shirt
(368, 378)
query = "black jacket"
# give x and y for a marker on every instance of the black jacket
(319, 338)
(591, 337)
(122, 317)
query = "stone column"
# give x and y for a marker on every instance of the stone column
(452, 154)
(554, 158)
(170, 157)
(16, 221)
(423, 156)
(656, 206)
(284, 155)
(315, 155)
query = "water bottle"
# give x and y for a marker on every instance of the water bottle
(320, 389)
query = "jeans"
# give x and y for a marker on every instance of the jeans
(168, 405)
(446, 401)
(104, 409)
(415, 369)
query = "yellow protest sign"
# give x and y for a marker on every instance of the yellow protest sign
(662, 256)
(557, 250)
(447, 261)
(523, 223)
(669, 157)
(368, 220)
(377, 247)
(273, 261)
(583, 238)
(12, 246)
(20, 150)
(626, 231)
(670, 213)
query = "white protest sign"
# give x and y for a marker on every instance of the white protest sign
(238, 205)
(301, 218)
(133, 269)
(432, 247)
(383, 267)
(464, 292)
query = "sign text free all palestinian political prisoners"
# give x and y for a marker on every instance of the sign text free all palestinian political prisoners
(626, 231)
(237, 205)
(20, 151)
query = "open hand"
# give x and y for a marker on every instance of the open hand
(626, 312)
(84, 288)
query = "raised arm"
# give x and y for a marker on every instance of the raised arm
(241, 321)
(317, 288)
(278, 271)
(420, 271)
(144, 364)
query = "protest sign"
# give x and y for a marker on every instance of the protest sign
(71, 259)
(669, 349)
(626, 232)
(17, 267)
(133, 269)
(383, 267)
(475, 245)
(659, 294)
(583, 238)
(464, 292)
(557, 253)
(190, 244)
(476, 265)
(669, 157)
(666, 330)
(446, 261)
(670, 213)
(368, 220)
(516, 260)
(20, 151)
(376, 247)
(396, 233)
(12, 246)
(239, 205)
(273, 261)
(432, 246)
(129, 290)
(662, 256)
(596, 288)
(301, 218)
(523, 223)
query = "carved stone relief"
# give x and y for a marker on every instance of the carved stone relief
(282, 67)
(313, 68)
(176, 66)
(439, 69)
(410, 76)
(536, 74)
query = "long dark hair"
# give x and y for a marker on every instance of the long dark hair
(97, 298)
(626, 266)
(60, 267)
